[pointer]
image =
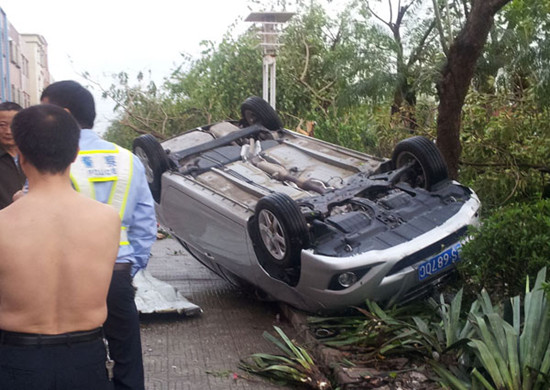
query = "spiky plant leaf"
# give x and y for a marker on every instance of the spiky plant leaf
(485, 302)
(427, 338)
(280, 368)
(297, 366)
(448, 377)
(457, 346)
(543, 380)
(516, 313)
(377, 311)
(306, 355)
(495, 326)
(269, 337)
(451, 318)
(481, 379)
(488, 336)
(529, 341)
(513, 355)
(266, 359)
(489, 362)
(298, 352)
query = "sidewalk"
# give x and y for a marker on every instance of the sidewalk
(203, 352)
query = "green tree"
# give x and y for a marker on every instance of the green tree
(403, 70)
(457, 74)
(346, 72)
(520, 43)
(212, 87)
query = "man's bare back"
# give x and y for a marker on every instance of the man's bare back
(57, 250)
(57, 254)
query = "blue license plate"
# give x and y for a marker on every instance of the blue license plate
(439, 262)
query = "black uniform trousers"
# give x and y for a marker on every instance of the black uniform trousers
(123, 334)
(78, 366)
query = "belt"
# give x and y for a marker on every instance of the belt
(28, 339)
(127, 267)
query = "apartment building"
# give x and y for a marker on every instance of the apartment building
(35, 49)
(24, 71)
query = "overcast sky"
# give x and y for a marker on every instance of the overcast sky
(103, 37)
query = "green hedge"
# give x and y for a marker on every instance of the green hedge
(510, 244)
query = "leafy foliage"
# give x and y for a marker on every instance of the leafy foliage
(510, 353)
(510, 245)
(295, 367)
(519, 45)
(344, 74)
(367, 334)
(213, 87)
(484, 347)
(506, 146)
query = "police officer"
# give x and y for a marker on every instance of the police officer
(113, 175)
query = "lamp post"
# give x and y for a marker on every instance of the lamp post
(271, 21)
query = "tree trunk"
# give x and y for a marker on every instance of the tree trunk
(457, 75)
(404, 103)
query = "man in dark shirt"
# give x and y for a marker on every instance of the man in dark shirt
(11, 176)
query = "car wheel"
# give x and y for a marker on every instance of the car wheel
(281, 232)
(428, 166)
(257, 110)
(154, 159)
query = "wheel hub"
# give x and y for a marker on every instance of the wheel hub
(145, 161)
(272, 234)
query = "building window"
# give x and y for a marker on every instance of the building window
(26, 100)
(25, 67)
(14, 53)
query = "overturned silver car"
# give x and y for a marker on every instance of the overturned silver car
(309, 223)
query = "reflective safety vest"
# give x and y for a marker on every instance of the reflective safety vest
(99, 166)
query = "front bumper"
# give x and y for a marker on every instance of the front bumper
(387, 275)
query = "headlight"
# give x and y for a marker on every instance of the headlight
(347, 279)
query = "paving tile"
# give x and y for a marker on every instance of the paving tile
(203, 352)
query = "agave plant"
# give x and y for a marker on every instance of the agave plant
(422, 334)
(511, 355)
(375, 332)
(484, 348)
(296, 366)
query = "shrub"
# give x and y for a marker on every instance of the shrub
(505, 147)
(512, 243)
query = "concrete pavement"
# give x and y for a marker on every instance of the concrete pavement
(203, 352)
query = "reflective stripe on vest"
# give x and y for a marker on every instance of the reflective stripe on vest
(96, 166)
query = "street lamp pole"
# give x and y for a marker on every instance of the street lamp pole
(271, 21)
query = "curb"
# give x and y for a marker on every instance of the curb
(356, 377)
(328, 358)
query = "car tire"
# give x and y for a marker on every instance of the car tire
(280, 233)
(154, 159)
(257, 110)
(429, 168)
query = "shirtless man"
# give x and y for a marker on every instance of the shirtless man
(57, 252)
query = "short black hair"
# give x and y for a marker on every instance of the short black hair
(47, 136)
(74, 97)
(10, 106)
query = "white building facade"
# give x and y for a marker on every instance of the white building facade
(24, 71)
